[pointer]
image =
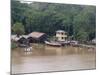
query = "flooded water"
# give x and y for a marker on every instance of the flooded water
(46, 59)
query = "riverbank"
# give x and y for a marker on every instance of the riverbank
(78, 45)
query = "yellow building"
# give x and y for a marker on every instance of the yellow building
(61, 35)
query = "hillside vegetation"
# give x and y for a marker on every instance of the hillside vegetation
(78, 20)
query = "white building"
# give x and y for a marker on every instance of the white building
(61, 35)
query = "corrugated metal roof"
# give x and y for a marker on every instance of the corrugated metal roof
(36, 34)
(25, 36)
(60, 31)
(33, 34)
(15, 38)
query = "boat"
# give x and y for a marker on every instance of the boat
(56, 44)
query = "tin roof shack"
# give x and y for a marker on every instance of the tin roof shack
(37, 37)
(14, 38)
(21, 40)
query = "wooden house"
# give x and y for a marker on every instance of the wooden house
(21, 40)
(37, 37)
(61, 35)
(14, 38)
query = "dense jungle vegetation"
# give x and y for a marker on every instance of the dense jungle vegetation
(79, 21)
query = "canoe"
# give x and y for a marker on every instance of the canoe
(56, 44)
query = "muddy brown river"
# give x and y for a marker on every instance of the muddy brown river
(46, 59)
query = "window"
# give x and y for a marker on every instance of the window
(62, 33)
(62, 37)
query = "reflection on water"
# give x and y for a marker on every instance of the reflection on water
(46, 58)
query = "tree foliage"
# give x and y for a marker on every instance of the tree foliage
(77, 20)
(18, 28)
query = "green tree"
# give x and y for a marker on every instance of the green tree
(77, 20)
(82, 36)
(18, 29)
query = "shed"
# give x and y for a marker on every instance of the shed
(14, 38)
(37, 37)
(20, 40)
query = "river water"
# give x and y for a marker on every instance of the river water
(46, 59)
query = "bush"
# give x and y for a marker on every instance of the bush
(13, 45)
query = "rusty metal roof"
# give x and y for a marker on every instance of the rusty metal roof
(36, 34)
